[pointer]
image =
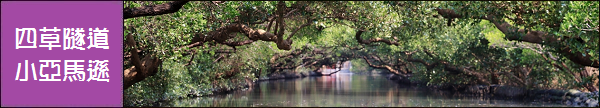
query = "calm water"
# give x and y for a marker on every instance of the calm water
(345, 89)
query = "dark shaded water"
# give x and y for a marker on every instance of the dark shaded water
(345, 89)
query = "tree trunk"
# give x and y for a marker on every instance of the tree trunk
(589, 85)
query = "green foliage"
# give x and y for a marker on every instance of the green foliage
(159, 35)
(359, 66)
(469, 42)
(583, 24)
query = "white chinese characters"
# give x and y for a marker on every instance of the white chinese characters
(26, 32)
(99, 72)
(73, 70)
(99, 39)
(51, 64)
(49, 39)
(72, 38)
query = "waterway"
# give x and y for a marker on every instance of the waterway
(346, 90)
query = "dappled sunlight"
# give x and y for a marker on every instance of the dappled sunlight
(360, 53)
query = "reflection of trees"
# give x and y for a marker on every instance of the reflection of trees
(345, 90)
(343, 81)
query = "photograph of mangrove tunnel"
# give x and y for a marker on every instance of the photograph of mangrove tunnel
(360, 53)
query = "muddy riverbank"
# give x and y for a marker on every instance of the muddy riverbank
(571, 97)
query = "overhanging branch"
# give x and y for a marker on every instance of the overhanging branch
(362, 41)
(152, 10)
(537, 37)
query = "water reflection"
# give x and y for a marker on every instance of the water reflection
(344, 89)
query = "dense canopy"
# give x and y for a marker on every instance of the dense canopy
(190, 48)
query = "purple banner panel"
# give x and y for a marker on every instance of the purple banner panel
(62, 53)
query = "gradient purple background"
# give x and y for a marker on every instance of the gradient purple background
(61, 14)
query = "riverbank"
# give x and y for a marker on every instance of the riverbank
(275, 76)
(219, 91)
(574, 98)
(571, 98)
(249, 83)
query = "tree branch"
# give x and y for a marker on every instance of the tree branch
(289, 13)
(222, 34)
(239, 43)
(301, 26)
(362, 41)
(142, 68)
(270, 23)
(538, 37)
(280, 24)
(152, 10)
(384, 67)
